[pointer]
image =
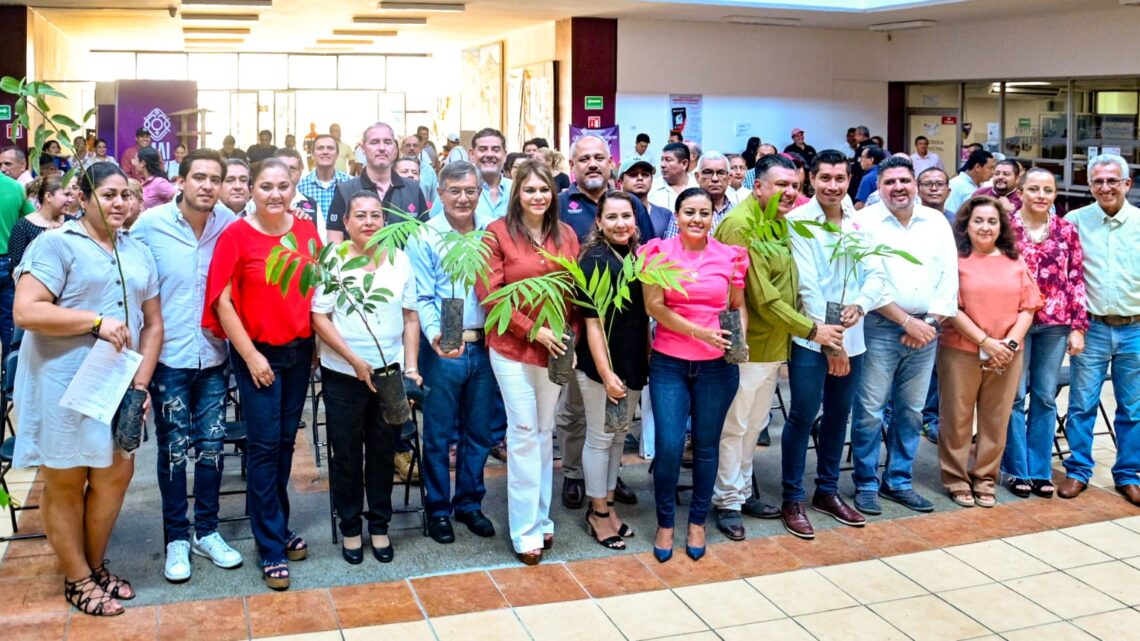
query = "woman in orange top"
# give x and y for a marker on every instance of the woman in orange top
(979, 360)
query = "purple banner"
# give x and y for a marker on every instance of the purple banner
(611, 135)
(152, 105)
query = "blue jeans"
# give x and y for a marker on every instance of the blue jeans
(272, 415)
(930, 410)
(682, 389)
(1119, 346)
(811, 385)
(7, 296)
(188, 410)
(1029, 445)
(897, 373)
(461, 392)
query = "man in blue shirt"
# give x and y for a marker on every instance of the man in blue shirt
(320, 184)
(488, 153)
(190, 381)
(461, 385)
(869, 160)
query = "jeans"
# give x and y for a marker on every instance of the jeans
(897, 373)
(1029, 446)
(461, 391)
(189, 410)
(7, 296)
(530, 399)
(930, 410)
(683, 389)
(272, 415)
(363, 446)
(601, 453)
(1119, 346)
(811, 385)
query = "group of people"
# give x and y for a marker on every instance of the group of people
(996, 296)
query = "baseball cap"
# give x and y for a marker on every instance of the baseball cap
(635, 162)
(141, 131)
(797, 130)
(453, 137)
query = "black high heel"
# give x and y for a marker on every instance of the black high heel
(624, 531)
(613, 542)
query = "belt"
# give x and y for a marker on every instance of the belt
(472, 335)
(1115, 321)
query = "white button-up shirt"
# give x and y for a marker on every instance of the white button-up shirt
(1111, 246)
(821, 279)
(183, 262)
(929, 288)
(663, 195)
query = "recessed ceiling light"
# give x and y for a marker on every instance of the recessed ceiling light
(388, 20)
(343, 41)
(384, 5)
(374, 33)
(237, 31)
(902, 26)
(231, 3)
(763, 20)
(222, 17)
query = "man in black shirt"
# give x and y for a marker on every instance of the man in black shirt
(264, 147)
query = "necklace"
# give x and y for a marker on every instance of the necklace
(1037, 236)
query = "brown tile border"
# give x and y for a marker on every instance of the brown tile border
(135, 624)
(35, 627)
(614, 576)
(375, 604)
(756, 557)
(458, 594)
(537, 585)
(282, 613)
(203, 620)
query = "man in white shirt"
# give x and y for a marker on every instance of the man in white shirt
(736, 171)
(641, 150)
(14, 164)
(978, 169)
(901, 335)
(675, 176)
(923, 158)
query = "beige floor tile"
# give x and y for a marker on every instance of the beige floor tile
(1118, 580)
(328, 635)
(928, 618)
(871, 581)
(1114, 540)
(802, 592)
(937, 571)
(852, 624)
(1134, 561)
(781, 629)
(1131, 522)
(693, 636)
(999, 560)
(651, 614)
(20, 475)
(1063, 595)
(568, 621)
(997, 607)
(728, 603)
(413, 631)
(1058, 550)
(1062, 631)
(1102, 473)
(495, 625)
(1119, 624)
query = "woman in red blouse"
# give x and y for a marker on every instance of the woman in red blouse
(1052, 252)
(271, 352)
(519, 363)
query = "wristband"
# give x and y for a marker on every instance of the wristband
(693, 332)
(412, 371)
(812, 331)
(97, 325)
(906, 321)
(984, 339)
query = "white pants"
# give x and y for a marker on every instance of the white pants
(747, 417)
(601, 455)
(530, 399)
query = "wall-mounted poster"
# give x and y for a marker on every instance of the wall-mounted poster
(482, 87)
(685, 110)
(531, 103)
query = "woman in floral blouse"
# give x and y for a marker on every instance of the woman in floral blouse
(1052, 251)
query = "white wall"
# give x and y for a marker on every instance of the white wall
(770, 78)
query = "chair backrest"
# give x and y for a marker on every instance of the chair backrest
(10, 371)
(17, 337)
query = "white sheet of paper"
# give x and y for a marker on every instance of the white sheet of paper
(101, 382)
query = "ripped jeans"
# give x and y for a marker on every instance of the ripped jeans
(188, 413)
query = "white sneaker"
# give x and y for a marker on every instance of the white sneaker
(177, 561)
(215, 548)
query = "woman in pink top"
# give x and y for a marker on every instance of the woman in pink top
(979, 360)
(690, 378)
(156, 189)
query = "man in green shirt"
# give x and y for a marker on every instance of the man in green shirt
(770, 300)
(14, 205)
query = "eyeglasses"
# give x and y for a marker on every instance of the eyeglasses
(709, 173)
(456, 192)
(1107, 182)
(931, 184)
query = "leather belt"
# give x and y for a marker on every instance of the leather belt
(472, 335)
(1113, 320)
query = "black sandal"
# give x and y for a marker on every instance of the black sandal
(112, 584)
(614, 542)
(624, 531)
(295, 548)
(78, 594)
(276, 576)
(1019, 486)
(1043, 488)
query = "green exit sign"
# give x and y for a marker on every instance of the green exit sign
(1024, 123)
(5, 112)
(594, 103)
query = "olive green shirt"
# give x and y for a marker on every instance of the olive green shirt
(770, 289)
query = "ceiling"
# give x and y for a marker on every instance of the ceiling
(297, 25)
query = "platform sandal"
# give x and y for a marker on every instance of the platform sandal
(295, 548)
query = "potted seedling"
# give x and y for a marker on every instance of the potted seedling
(463, 258)
(32, 100)
(326, 270)
(853, 248)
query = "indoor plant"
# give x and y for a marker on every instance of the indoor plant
(463, 258)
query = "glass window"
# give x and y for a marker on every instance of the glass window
(361, 72)
(980, 118)
(161, 66)
(312, 72)
(263, 71)
(213, 70)
(110, 66)
(1108, 111)
(1037, 122)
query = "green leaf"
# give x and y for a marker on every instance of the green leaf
(90, 114)
(356, 263)
(8, 84)
(64, 121)
(287, 277)
(289, 241)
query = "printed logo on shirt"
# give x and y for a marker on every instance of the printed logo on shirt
(411, 208)
(574, 206)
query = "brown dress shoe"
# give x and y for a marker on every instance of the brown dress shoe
(1130, 492)
(1070, 488)
(833, 506)
(796, 520)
